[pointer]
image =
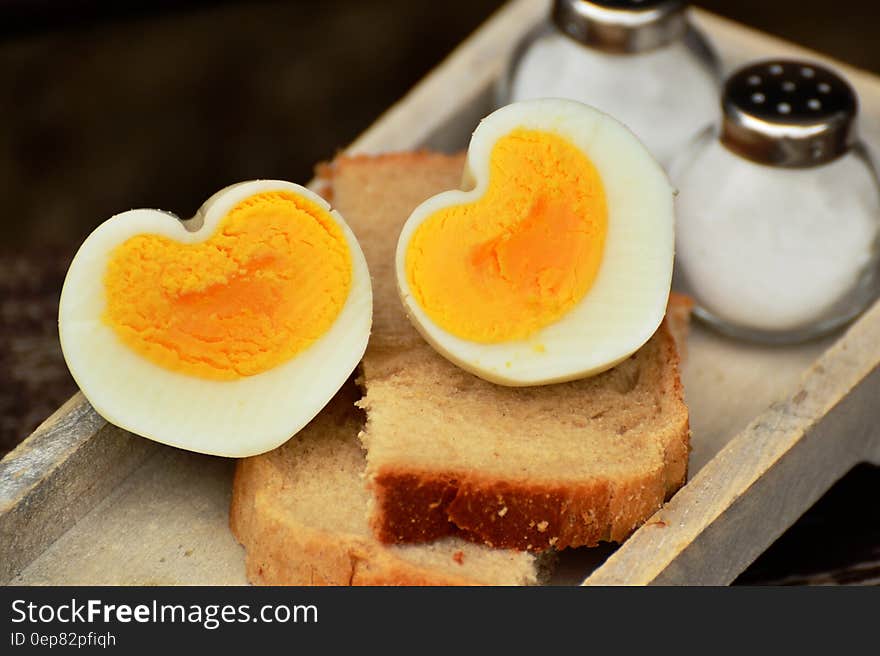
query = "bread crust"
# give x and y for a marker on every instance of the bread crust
(283, 549)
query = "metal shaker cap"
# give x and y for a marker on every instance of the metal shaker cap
(622, 26)
(788, 113)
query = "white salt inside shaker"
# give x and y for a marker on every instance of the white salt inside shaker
(639, 61)
(778, 213)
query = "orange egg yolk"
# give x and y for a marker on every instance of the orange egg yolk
(520, 257)
(268, 283)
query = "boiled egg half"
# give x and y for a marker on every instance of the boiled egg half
(224, 334)
(555, 262)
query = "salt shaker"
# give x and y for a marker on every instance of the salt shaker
(778, 213)
(638, 60)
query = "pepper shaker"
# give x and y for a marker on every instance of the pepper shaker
(778, 213)
(638, 60)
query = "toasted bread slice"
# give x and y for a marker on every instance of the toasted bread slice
(301, 513)
(529, 468)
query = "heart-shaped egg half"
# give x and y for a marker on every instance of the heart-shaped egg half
(224, 334)
(556, 263)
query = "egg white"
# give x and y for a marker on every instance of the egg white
(627, 301)
(236, 418)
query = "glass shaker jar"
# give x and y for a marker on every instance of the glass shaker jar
(638, 60)
(778, 212)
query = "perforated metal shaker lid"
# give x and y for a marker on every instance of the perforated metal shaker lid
(622, 26)
(788, 113)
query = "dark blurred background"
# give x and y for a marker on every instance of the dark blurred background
(107, 106)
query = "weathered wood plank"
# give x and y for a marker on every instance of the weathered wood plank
(837, 541)
(165, 524)
(766, 477)
(56, 476)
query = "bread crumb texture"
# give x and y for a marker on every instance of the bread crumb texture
(448, 454)
(301, 513)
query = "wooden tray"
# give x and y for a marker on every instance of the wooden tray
(84, 502)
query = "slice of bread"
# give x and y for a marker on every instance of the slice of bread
(528, 468)
(301, 513)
